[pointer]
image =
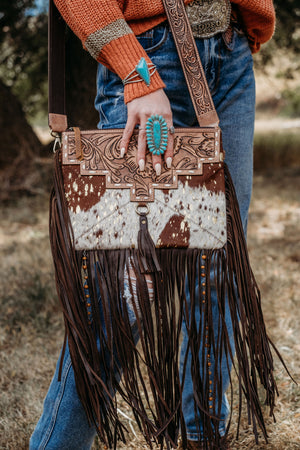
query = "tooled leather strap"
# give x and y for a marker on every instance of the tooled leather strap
(191, 63)
(187, 51)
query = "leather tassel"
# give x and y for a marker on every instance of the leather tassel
(146, 249)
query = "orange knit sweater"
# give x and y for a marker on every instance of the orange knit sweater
(107, 29)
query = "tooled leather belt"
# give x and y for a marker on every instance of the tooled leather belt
(209, 17)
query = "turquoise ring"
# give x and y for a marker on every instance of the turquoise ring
(157, 134)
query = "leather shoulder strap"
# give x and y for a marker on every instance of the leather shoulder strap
(56, 70)
(187, 51)
(191, 63)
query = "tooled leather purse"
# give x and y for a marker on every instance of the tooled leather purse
(115, 231)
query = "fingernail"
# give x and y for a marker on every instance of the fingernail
(142, 165)
(169, 162)
(122, 152)
(158, 169)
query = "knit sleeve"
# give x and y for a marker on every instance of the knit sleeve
(105, 34)
(258, 18)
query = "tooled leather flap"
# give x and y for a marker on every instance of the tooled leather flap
(78, 147)
(101, 156)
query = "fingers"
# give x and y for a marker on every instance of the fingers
(156, 159)
(168, 155)
(128, 130)
(142, 145)
(142, 148)
(139, 110)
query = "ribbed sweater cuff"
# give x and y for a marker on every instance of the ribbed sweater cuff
(122, 55)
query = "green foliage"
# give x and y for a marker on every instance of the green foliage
(292, 102)
(13, 17)
(23, 53)
(287, 33)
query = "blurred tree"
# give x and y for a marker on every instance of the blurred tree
(287, 33)
(23, 62)
(18, 140)
(286, 36)
(23, 56)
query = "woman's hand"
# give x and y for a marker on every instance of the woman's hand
(139, 110)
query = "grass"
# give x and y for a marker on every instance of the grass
(277, 149)
(30, 314)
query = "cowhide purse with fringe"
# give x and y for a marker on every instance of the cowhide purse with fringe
(141, 243)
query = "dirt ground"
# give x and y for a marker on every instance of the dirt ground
(31, 328)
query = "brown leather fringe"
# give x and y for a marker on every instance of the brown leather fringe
(102, 336)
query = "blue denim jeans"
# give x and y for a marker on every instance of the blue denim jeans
(229, 72)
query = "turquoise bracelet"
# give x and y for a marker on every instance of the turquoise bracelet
(143, 71)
